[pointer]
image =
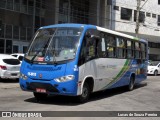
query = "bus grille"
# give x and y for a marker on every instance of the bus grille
(32, 86)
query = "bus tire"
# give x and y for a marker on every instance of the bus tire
(131, 83)
(85, 94)
(155, 73)
(40, 96)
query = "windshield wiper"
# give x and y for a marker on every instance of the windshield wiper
(45, 46)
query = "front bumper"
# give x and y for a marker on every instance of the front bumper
(51, 87)
(10, 74)
(150, 71)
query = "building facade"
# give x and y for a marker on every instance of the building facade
(124, 20)
(21, 18)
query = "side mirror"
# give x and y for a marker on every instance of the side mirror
(88, 34)
(89, 42)
(96, 37)
(93, 39)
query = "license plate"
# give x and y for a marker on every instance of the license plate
(14, 74)
(40, 90)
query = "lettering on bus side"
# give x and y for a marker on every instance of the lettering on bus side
(112, 66)
(58, 68)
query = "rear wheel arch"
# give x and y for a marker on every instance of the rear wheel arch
(131, 81)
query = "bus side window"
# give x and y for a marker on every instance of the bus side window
(143, 48)
(82, 55)
(111, 46)
(129, 49)
(103, 47)
(121, 50)
(137, 50)
(91, 48)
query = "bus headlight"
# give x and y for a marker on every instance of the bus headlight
(64, 78)
(22, 76)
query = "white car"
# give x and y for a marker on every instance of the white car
(19, 56)
(9, 67)
(153, 68)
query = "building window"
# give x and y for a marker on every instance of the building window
(8, 31)
(148, 14)
(154, 45)
(38, 3)
(15, 48)
(17, 5)
(141, 16)
(43, 4)
(158, 2)
(30, 7)
(29, 34)
(23, 33)
(3, 3)
(10, 4)
(16, 32)
(25, 49)
(109, 2)
(24, 6)
(2, 46)
(126, 14)
(9, 46)
(37, 22)
(153, 15)
(2, 31)
(75, 12)
(158, 20)
(116, 8)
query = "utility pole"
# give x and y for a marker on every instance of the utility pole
(137, 17)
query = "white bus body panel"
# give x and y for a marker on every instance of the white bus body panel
(102, 70)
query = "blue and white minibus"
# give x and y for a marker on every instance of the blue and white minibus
(79, 59)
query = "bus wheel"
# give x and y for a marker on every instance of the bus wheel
(85, 94)
(155, 73)
(40, 96)
(131, 84)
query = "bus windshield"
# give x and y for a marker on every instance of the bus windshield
(54, 45)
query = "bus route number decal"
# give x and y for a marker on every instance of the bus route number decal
(31, 74)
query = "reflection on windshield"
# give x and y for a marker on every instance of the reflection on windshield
(153, 63)
(54, 44)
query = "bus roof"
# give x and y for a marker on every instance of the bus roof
(94, 27)
(68, 25)
(119, 34)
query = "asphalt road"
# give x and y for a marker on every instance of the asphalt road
(145, 97)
